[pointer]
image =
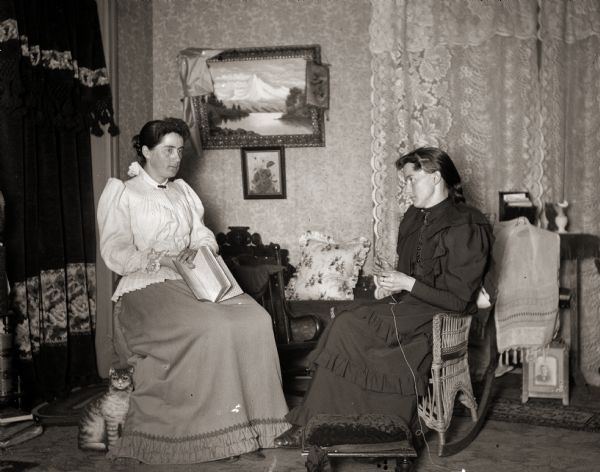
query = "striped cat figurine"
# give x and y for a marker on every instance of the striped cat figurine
(102, 419)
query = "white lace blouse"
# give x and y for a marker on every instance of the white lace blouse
(137, 219)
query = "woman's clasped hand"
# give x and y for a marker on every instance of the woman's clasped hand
(395, 281)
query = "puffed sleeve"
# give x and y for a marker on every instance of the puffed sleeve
(116, 238)
(200, 235)
(467, 249)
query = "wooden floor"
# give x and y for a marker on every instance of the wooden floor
(500, 447)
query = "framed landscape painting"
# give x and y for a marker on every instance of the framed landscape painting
(259, 99)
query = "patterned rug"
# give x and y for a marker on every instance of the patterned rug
(544, 412)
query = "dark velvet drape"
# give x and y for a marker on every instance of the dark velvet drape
(53, 90)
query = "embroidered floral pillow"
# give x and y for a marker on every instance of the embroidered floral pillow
(327, 270)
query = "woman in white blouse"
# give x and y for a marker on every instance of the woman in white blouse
(207, 379)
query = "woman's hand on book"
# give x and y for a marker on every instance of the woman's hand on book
(167, 261)
(187, 256)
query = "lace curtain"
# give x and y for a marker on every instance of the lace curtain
(509, 89)
(461, 76)
(570, 97)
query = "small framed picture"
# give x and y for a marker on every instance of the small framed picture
(545, 373)
(263, 172)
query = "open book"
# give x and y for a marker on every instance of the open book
(210, 279)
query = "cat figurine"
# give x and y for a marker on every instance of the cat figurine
(102, 419)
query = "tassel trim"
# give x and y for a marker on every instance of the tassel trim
(512, 356)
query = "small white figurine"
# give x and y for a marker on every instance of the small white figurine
(561, 219)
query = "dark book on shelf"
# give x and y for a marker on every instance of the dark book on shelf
(514, 204)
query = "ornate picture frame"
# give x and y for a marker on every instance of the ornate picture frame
(263, 172)
(260, 99)
(546, 374)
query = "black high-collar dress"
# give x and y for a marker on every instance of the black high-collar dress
(359, 366)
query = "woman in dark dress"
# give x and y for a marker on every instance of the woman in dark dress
(376, 357)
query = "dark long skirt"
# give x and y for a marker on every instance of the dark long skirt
(361, 368)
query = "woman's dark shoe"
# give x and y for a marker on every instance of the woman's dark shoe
(254, 456)
(292, 438)
(230, 459)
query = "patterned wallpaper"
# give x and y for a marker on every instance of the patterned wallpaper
(134, 57)
(328, 188)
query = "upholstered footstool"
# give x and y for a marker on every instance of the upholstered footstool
(357, 436)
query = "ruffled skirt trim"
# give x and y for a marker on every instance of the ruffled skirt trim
(382, 329)
(204, 447)
(368, 379)
(410, 326)
(415, 346)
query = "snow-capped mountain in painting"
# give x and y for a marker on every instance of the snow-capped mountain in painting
(256, 95)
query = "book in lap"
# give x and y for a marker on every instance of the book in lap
(210, 279)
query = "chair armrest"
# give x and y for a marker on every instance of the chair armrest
(450, 335)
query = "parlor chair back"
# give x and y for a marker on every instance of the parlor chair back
(262, 271)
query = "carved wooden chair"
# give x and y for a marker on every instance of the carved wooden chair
(262, 271)
(247, 257)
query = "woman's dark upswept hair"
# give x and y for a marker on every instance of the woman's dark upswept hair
(152, 133)
(432, 159)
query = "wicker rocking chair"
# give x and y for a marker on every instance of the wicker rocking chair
(449, 374)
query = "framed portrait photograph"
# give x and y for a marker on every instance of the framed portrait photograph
(261, 98)
(263, 172)
(545, 374)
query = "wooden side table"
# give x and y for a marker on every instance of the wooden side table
(577, 247)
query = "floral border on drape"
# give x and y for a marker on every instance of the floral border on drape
(54, 91)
